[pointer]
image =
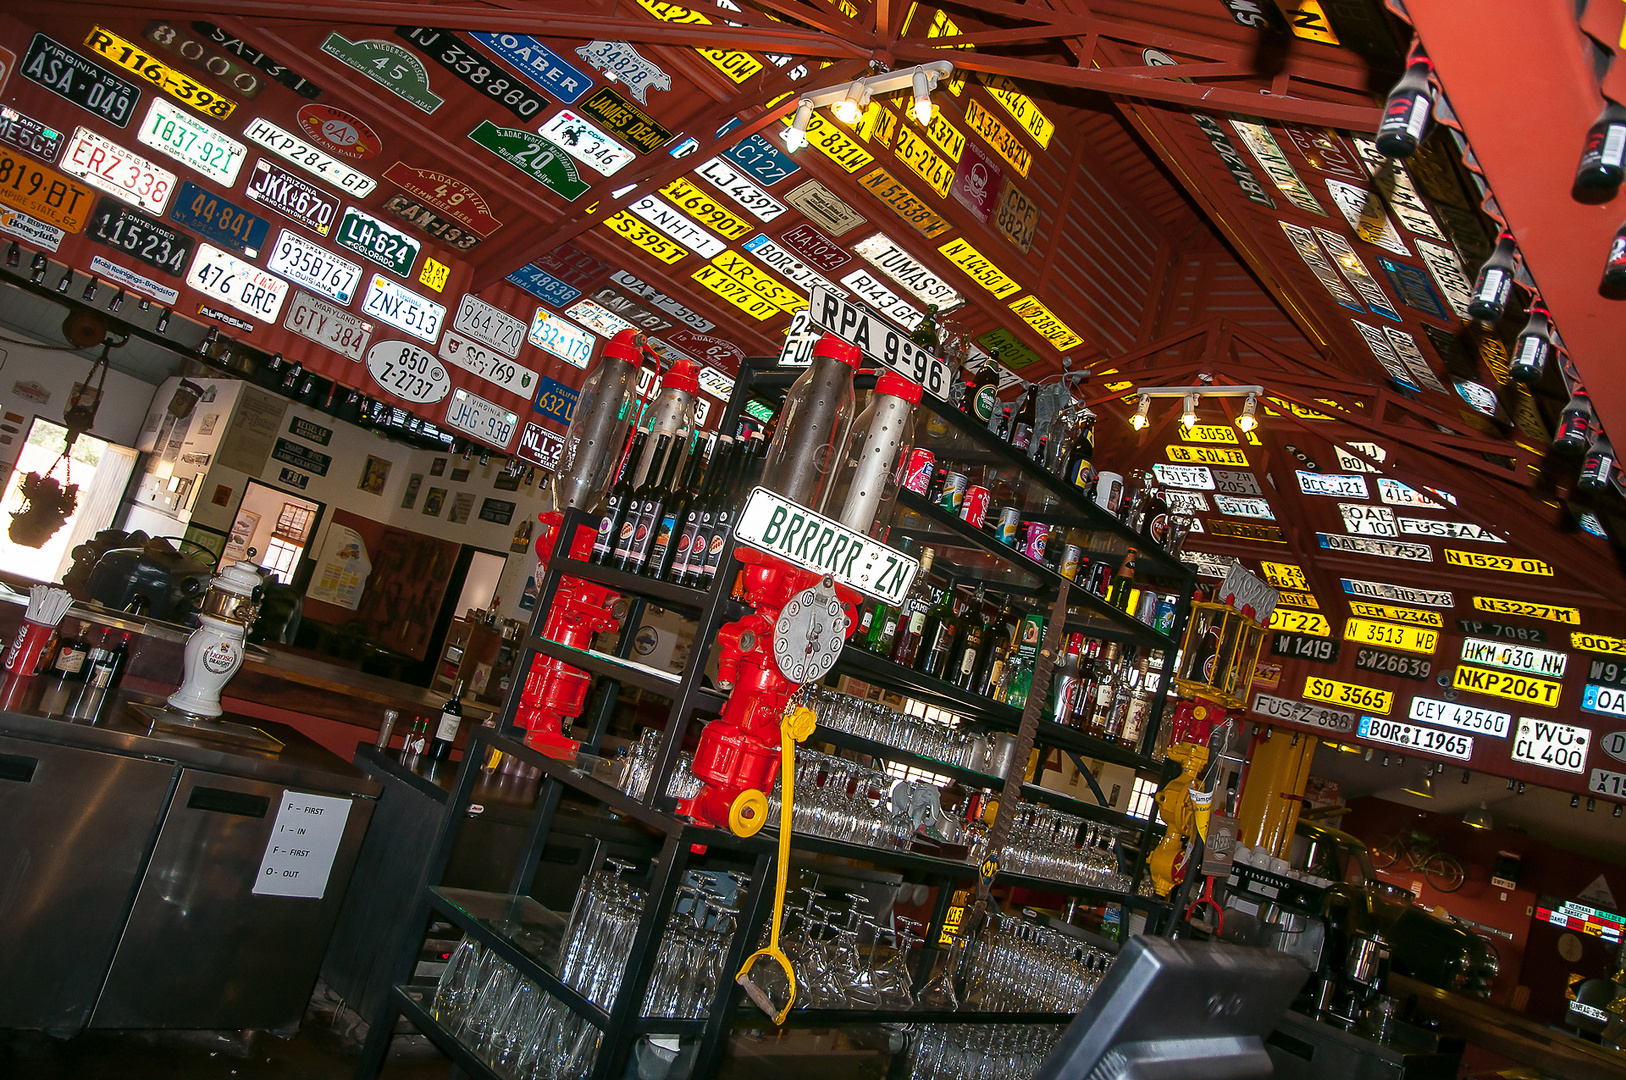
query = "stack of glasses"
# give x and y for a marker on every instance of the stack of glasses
(834, 969)
(524, 1033)
(843, 800)
(901, 731)
(639, 767)
(978, 1051)
(1045, 843)
(1020, 966)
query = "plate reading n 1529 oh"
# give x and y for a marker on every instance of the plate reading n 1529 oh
(775, 525)
(880, 341)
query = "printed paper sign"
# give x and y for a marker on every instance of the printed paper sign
(304, 841)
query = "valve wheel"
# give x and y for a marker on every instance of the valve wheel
(748, 813)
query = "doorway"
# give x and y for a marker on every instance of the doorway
(99, 469)
(276, 525)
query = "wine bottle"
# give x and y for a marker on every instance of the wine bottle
(1123, 582)
(1532, 348)
(615, 506)
(1025, 419)
(629, 537)
(1080, 463)
(1495, 282)
(731, 501)
(655, 504)
(1603, 153)
(912, 614)
(691, 553)
(969, 648)
(1405, 113)
(1106, 689)
(451, 717)
(937, 641)
(669, 534)
(1574, 431)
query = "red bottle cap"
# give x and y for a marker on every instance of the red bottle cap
(683, 376)
(833, 347)
(623, 347)
(892, 383)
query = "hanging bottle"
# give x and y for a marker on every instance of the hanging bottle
(1574, 432)
(1530, 351)
(1405, 113)
(1599, 466)
(1614, 271)
(1603, 152)
(1495, 282)
(867, 478)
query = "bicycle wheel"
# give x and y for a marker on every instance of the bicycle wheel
(1386, 854)
(1444, 872)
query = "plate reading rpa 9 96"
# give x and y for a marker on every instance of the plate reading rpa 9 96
(880, 341)
(796, 534)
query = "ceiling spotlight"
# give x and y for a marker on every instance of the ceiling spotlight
(1479, 818)
(1142, 415)
(163, 322)
(67, 280)
(923, 100)
(208, 341)
(1248, 421)
(38, 266)
(851, 107)
(1188, 415)
(1575, 800)
(1591, 804)
(90, 291)
(796, 137)
(1424, 790)
(14, 254)
(145, 303)
(117, 301)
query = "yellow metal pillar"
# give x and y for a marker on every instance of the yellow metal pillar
(1273, 790)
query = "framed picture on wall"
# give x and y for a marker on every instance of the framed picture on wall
(432, 502)
(437, 467)
(410, 499)
(374, 475)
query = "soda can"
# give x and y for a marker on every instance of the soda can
(1010, 522)
(1146, 607)
(1100, 582)
(974, 507)
(1033, 546)
(953, 492)
(1072, 556)
(1163, 621)
(917, 474)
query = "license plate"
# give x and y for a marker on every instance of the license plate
(328, 326)
(761, 160)
(835, 144)
(1527, 609)
(1301, 712)
(43, 193)
(1453, 714)
(1017, 217)
(555, 400)
(997, 135)
(134, 233)
(1384, 662)
(370, 238)
(1192, 477)
(924, 162)
(293, 198)
(133, 58)
(979, 268)
(869, 288)
(597, 318)
(1598, 643)
(1548, 744)
(678, 226)
(29, 135)
(1414, 639)
(774, 524)
(1404, 594)
(1512, 657)
(1446, 530)
(736, 292)
(403, 308)
(1300, 622)
(731, 182)
(1611, 784)
(1395, 493)
(920, 281)
(1237, 506)
(314, 267)
(1608, 700)
(690, 199)
(627, 120)
(645, 291)
(563, 339)
(455, 236)
(1396, 614)
(90, 86)
(777, 258)
(192, 142)
(543, 285)
(1347, 486)
(1285, 575)
(474, 415)
(902, 201)
(582, 140)
(1507, 564)
(881, 342)
(489, 325)
(1421, 739)
(408, 372)
(104, 164)
(641, 236)
(318, 163)
(1513, 687)
(1364, 519)
(541, 446)
(478, 359)
(219, 220)
(1320, 650)
(445, 49)
(232, 281)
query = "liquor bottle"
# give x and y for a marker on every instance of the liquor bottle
(691, 554)
(1089, 684)
(1155, 518)
(1614, 270)
(1495, 282)
(937, 640)
(912, 614)
(1405, 113)
(1123, 582)
(1002, 646)
(655, 504)
(1105, 690)
(615, 506)
(1079, 469)
(967, 654)
(1025, 419)
(1598, 467)
(925, 331)
(105, 663)
(69, 663)
(451, 717)
(1140, 704)
(1064, 686)
(1603, 153)
(1530, 351)
(629, 536)
(669, 534)
(1123, 689)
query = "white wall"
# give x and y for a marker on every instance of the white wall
(53, 373)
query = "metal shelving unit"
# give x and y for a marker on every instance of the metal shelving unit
(526, 934)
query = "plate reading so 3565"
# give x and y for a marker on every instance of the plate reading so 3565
(880, 341)
(796, 534)
(304, 841)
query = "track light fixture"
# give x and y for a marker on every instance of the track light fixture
(1142, 415)
(1248, 420)
(163, 322)
(38, 267)
(14, 255)
(90, 291)
(847, 100)
(67, 280)
(1188, 412)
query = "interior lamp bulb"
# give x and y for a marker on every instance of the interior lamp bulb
(1248, 420)
(1188, 415)
(923, 99)
(796, 137)
(851, 107)
(1142, 415)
